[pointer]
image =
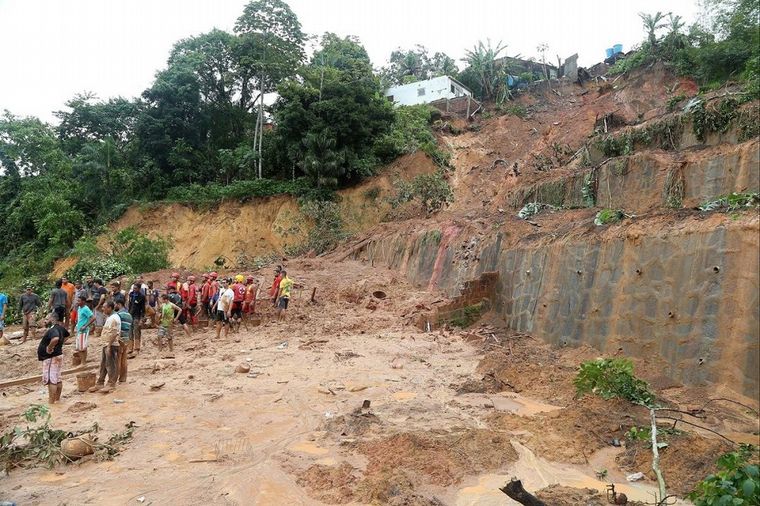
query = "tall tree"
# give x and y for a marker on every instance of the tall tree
(484, 72)
(652, 23)
(330, 116)
(270, 48)
(411, 65)
(89, 119)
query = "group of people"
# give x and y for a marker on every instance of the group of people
(117, 317)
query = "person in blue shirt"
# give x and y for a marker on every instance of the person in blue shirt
(3, 311)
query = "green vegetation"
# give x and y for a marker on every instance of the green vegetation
(432, 191)
(661, 134)
(139, 252)
(237, 190)
(467, 315)
(484, 75)
(732, 202)
(675, 100)
(726, 46)
(327, 230)
(737, 482)
(588, 190)
(613, 377)
(533, 208)
(38, 443)
(644, 435)
(674, 188)
(412, 65)
(131, 252)
(200, 135)
(607, 216)
(515, 110)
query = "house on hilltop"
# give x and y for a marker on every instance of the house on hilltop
(426, 92)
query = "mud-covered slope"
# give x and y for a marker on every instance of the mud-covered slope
(667, 281)
(238, 232)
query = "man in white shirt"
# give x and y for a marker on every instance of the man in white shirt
(223, 307)
(110, 353)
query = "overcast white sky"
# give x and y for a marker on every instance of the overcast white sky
(52, 49)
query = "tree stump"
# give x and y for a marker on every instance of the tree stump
(514, 490)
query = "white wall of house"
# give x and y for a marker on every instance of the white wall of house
(424, 92)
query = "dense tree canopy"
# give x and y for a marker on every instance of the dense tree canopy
(411, 65)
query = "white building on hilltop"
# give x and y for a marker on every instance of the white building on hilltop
(425, 92)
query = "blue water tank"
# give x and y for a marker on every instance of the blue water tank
(618, 48)
(609, 52)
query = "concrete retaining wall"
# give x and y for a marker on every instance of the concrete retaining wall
(685, 291)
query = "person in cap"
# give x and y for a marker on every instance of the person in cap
(249, 303)
(274, 292)
(173, 282)
(176, 299)
(238, 290)
(213, 295)
(190, 297)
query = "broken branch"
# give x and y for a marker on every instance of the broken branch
(514, 490)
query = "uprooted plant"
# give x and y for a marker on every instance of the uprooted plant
(40, 444)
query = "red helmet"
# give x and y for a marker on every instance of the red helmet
(214, 275)
(175, 274)
(205, 274)
(191, 278)
(250, 278)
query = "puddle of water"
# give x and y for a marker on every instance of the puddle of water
(537, 473)
(308, 447)
(404, 396)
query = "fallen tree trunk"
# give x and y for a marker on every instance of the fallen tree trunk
(514, 490)
(34, 379)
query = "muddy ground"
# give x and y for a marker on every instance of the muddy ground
(452, 414)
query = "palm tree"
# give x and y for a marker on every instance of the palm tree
(675, 24)
(482, 60)
(652, 24)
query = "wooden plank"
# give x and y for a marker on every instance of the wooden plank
(34, 379)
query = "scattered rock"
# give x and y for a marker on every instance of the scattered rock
(157, 386)
(357, 388)
(77, 447)
(243, 368)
